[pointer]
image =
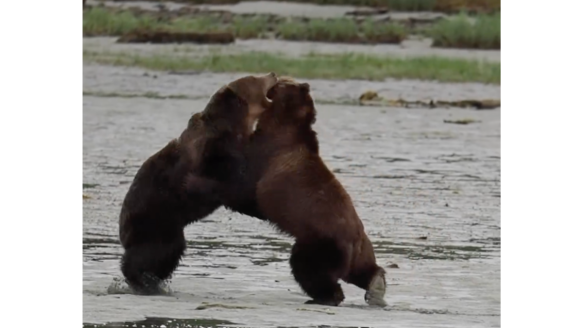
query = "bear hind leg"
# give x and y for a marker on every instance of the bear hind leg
(316, 267)
(371, 279)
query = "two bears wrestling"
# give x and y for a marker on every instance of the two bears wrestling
(273, 173)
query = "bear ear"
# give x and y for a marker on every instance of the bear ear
(305, 87)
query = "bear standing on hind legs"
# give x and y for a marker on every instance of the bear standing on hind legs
(288, 184)
(157, 208)
(302, 197)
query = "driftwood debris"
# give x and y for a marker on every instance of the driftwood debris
(371, 98)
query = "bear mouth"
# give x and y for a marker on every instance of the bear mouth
(271, 93)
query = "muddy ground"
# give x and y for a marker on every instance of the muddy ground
(410, 176)
(408, 48)
(287, 9)
(132, 81)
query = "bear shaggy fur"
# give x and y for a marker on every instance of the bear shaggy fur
(157, 207)
(288, 184)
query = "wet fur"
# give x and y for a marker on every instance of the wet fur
(157, 206)
(288, 183)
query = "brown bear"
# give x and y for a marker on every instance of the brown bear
(157, 207)
(288, 184)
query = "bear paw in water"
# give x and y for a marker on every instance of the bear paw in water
(119, 286)
(153, 285)
(375, 294)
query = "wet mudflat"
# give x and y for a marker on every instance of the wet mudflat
(407, 49)
(131, 81)
(427, 192)
(288, 9)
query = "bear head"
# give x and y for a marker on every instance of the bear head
(292, 104)
(238, 104)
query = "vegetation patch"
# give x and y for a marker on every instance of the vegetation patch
(160, 27)
(341, 66)
(101, 21)
(463, 31)
(463, 121)
(148, 36)
(250, 28)
(345, 30)
(371, 98)
(471, 6)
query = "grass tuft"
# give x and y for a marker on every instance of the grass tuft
(100, 21)
(330, 30)
(462, 32)
(343, 30)
(383, 32)
(249, 28)
(188, 24)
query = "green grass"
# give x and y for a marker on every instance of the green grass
(342, 30)
(100, 21)
(189, 24)
(460, 32)
(346, 66)
(383, 32)
(249, 28)
(456, 32)
(330, 30)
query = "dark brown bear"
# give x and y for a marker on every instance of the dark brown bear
(157, 207)
(289, 185)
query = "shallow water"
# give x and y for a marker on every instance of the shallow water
(247, 7)
(278, 8)
(409, 174)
